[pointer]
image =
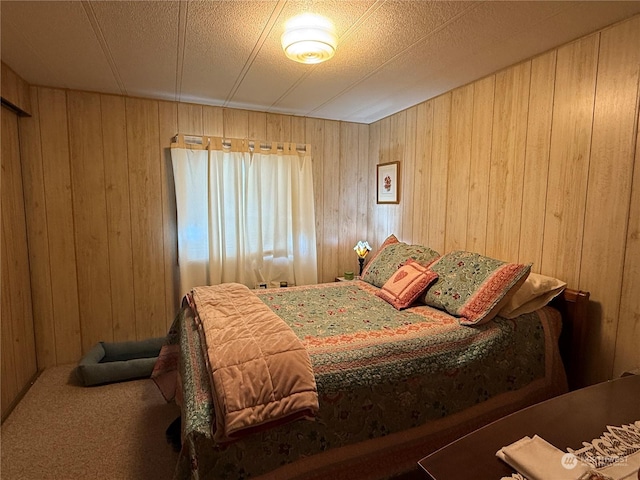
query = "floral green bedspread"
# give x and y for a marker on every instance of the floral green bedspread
(378, 371)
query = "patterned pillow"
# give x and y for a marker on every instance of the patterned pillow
(474, 287)
(389, 258)
(390, 240)
(404, 286)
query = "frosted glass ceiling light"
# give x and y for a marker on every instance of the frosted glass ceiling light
(309, 38)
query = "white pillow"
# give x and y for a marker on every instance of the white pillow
(535, 293)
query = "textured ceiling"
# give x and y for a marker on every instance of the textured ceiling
(391, 54)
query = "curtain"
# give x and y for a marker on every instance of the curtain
(244, 217)
(283, 221)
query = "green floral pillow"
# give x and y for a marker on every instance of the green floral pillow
(391, 256)
(472, 286)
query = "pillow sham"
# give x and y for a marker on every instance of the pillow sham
(472, 286)
(535, 293)
(371, 264)
(406, 285)
(389, 258)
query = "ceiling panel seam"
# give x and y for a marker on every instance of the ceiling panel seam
(215, 50)
(91, 16)
(275, 14)
(402, 52)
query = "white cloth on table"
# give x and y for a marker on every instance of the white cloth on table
(613, 456)
(537, 459)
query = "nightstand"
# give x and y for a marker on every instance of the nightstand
(342, 279)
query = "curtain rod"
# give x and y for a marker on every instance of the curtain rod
(182, 140)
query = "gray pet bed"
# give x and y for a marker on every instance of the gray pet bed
(115, 362)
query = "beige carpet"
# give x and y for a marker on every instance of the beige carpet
(61, 430)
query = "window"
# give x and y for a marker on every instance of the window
(245, 217)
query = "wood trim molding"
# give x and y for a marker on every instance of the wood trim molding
(15, 91)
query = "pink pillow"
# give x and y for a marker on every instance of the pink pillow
(404, 286)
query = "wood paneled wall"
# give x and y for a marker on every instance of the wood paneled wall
(101, 208)
(537, 163)
(18, 346)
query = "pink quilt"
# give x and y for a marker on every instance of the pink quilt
(261, 374)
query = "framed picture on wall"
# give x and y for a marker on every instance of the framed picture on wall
(388, 186)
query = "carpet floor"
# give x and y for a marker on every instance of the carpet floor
(61, 430)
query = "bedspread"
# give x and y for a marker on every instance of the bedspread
(260, 372)
(379, 372)
(356, 340)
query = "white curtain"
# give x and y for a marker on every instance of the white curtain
(244, 217)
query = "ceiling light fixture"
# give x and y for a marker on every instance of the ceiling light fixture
(309, 38)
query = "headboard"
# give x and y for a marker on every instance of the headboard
(573, 305)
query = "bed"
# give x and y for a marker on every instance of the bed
(392, 383)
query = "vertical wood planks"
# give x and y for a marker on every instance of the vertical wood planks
(10, 156)
(348, 192)
(257, 126)
(365, 184)
(384, 212)
(550, 176)
(439, 173)
(527, 178)
(121, 205)
(298, 130)
(377, 226)
(422, 174)
(569, 159)
(480, 168)
(90, 217)
(507, 161)
(407, 169)
(611, 169)
(537, 159)
(627, 354)
(278, 127)
(314, 133)
(18, 346)
(38, 235)
(212, 121)
(9, 388)
(397, 129)
(62, 260)
(459, 166)
(145, 192)
(236, 123)
(118, 221)
(168, 125)
(190, 121)
(331, 200)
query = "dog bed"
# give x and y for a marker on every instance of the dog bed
(116, 362)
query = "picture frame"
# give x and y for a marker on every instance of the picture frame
(388, 182)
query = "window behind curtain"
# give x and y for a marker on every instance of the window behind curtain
(244, 217)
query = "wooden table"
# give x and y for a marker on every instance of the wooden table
(564, 421)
